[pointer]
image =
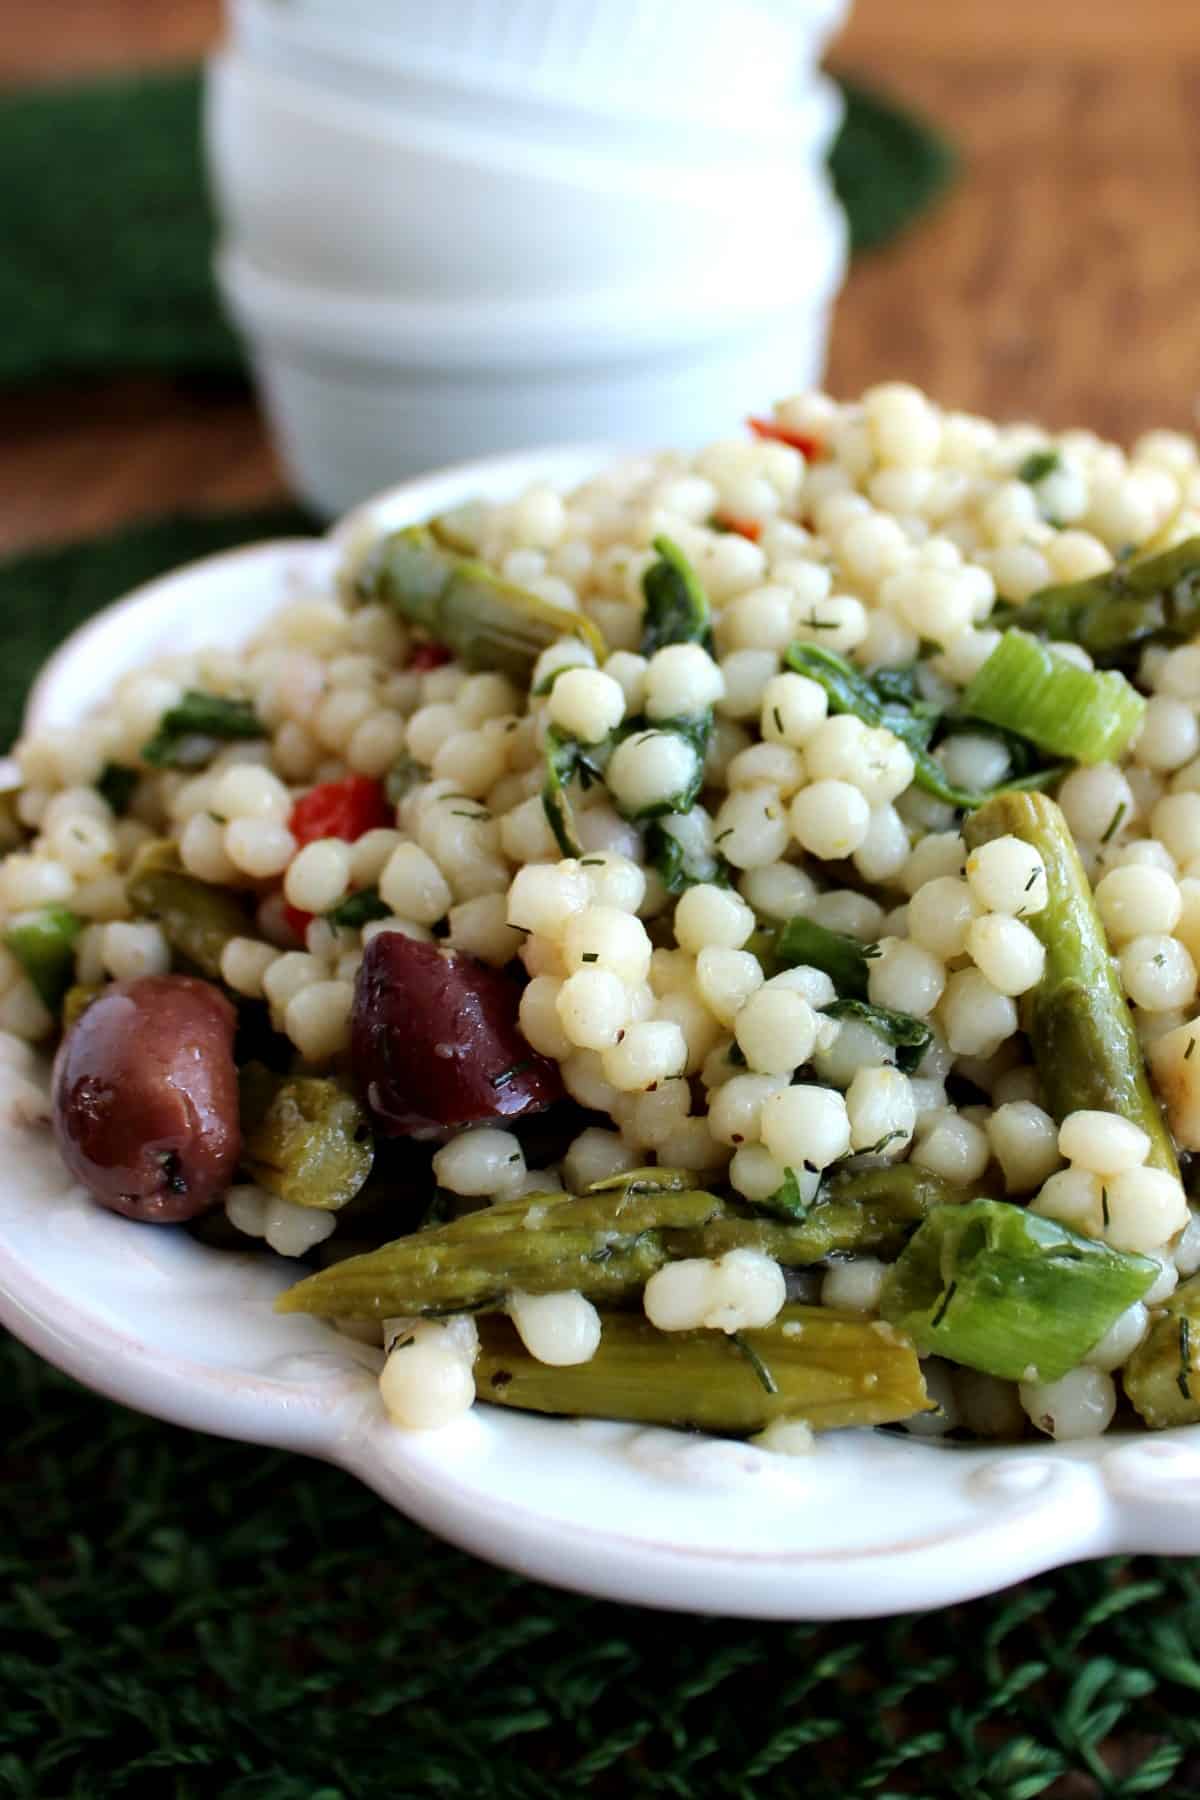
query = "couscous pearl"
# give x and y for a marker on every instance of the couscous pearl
(1120, 1340)
(202, 850)
(318, 875)
(1080, 1405)
(543, 899)
(745, 675)
(1097, 802)
(287, 974)
(1073, 1197)
(1175, 820)
(480, 1162)
(792, 709)
(1145, 1207)
(246, 792)
(1024, 1141)
(725, 980)
(769, 765)
(1170, 735)
(830, 819)
(317, 1018)
(885, 849)
(1008, 875)
(425, 1384)
(539, 1019)
(1006, 952)
(260, 847)
(805, 1126)
(708, 915)
(940, 914)
(776, 1031)
(734, 1108)
(950, 1146)
(652, 1051)
(973, 761)
(974, 1016)
(586, 704)
(595, 1155)
(130, 950)
(649, 769)
(779, 892)
(593, 1007)
(413, 886)
(607, 937)
(905, 977)
(681, 680)
(559, 1329)
(1157, 973)
(937, 854)
(881, 1110)
(1135, 900)
(736, 1292)
(854, 1286)
(752, 828)
(1102, 1142)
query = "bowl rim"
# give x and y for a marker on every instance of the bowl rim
(1015, 1511)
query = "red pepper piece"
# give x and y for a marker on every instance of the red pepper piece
(428, 654)
(810, 447)
(747, 528)
(337, 809)
(435, 1042)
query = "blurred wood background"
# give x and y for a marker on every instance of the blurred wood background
(1060, 279)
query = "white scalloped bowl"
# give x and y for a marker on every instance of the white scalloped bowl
(869, 1523)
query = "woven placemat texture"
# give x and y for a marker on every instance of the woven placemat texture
(184, 1619)
(107, 230)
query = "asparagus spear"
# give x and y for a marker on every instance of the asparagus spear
(1115, 615)
(1162, 1377)
(489, 623)
(188, 733)
(607, 1244)
(43, 942)
(1086, 714)
(1078, 1022)
(809, 1363)
(1001, 1289)
(304, 1137)
(198, 919)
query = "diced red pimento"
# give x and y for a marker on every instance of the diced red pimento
(810, 447)
(345, 809)
(747, 528)
(428, 654)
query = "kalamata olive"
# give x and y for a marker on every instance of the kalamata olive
(435, 1042)
(145, 1097)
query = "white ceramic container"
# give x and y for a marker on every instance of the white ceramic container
(868, 1523)
(359, 393)
(343, 192)
(725, 56)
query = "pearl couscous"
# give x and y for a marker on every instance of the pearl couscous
(718, 947)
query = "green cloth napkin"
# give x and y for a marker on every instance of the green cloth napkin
(107, 231)
(185, 1619)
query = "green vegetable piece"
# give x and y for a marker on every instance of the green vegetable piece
(677, 609)
(304, 1137)
(184, 739)
(677, 865)
(359, 909)
(405, 774)
(998, 1288)
(1162, 1376)
(43, 942)
(823, 1367)
(1115, 615)
(1077, 1017)
(787, 1202)
(605, 1245)
(565, 758)
(197, 919)
(910, 1037)
(913, 723)
(489, 623)
(648, 1180)
(1037, 465)
(115, 784)
(1089, 715)
(802, 942)
(856, 1212)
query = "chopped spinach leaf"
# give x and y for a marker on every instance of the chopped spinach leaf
(187, 732)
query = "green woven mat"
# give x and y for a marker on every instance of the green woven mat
(183, 1619)
(107, 232)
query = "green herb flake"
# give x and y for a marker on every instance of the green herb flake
(1114, 824)
(189, 731)
(764, 1376)
(115, 784)
(358, 909)
(1184, 1380)
(942, 1310)
(1037, 465)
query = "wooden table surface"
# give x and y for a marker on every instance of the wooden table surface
(1059, 281)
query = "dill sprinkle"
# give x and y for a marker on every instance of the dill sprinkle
(940, 1314)
(1184, 1378)
(1114, 823)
